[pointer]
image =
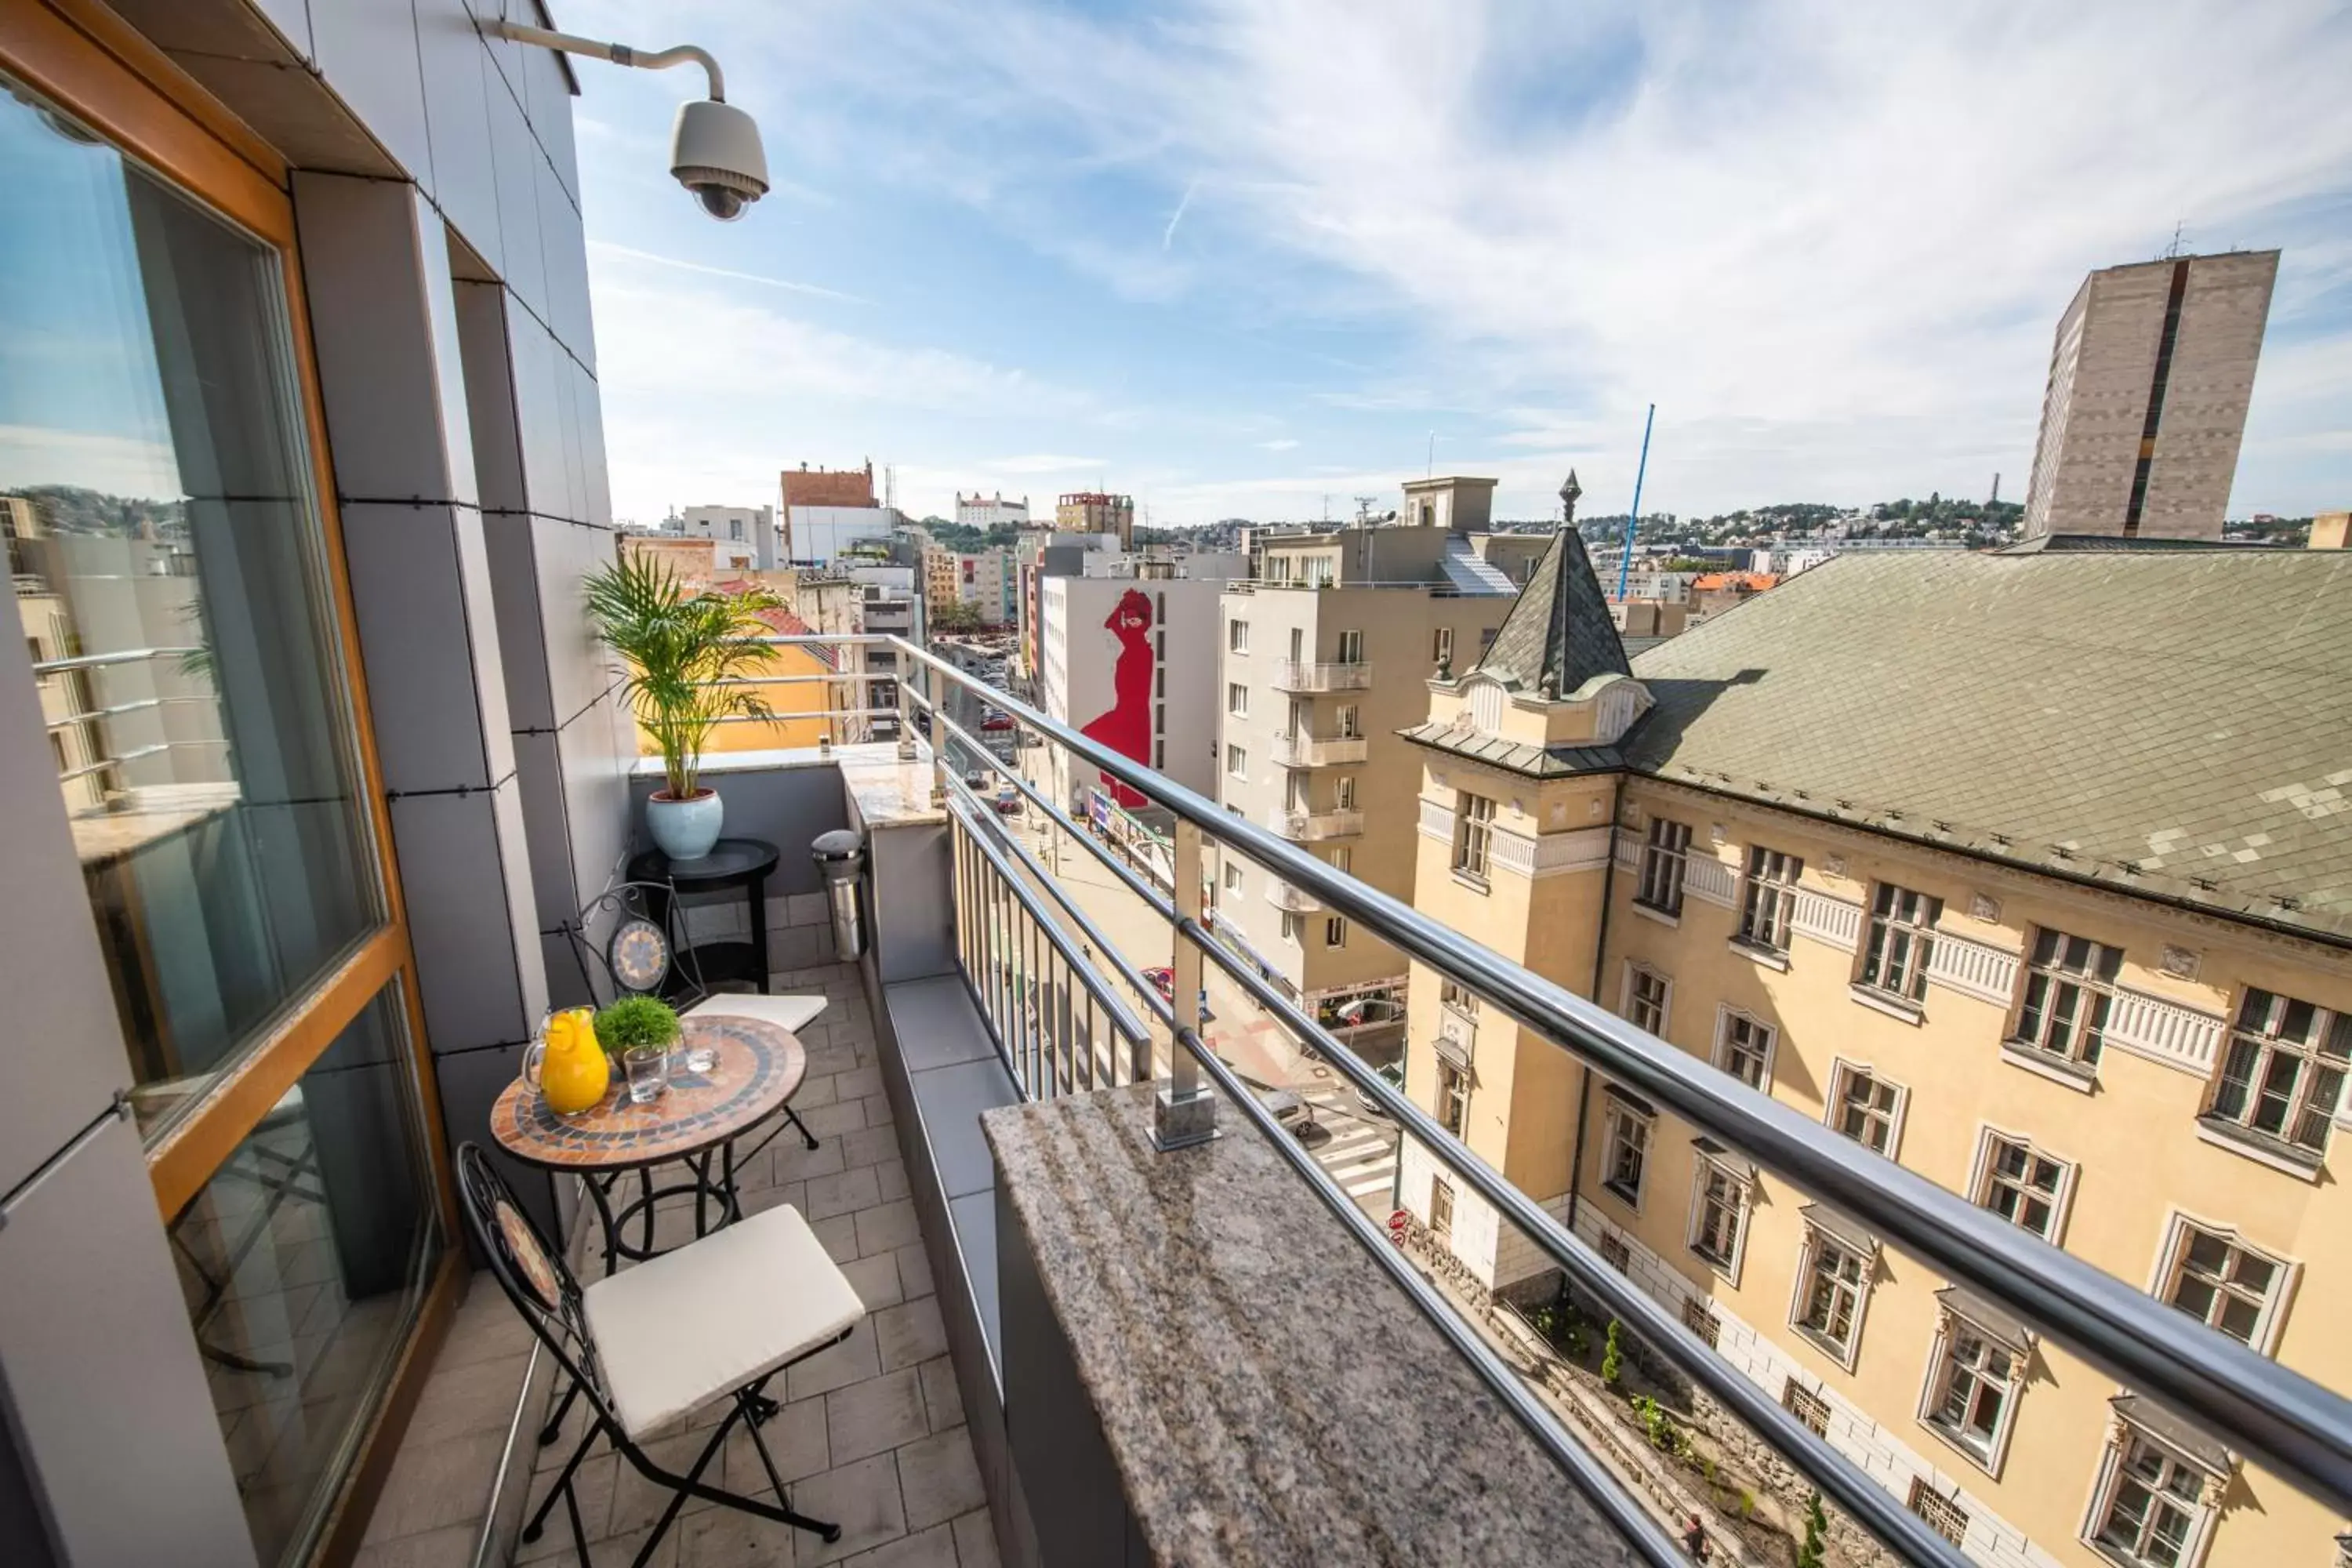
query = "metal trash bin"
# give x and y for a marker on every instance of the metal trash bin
(840, 857)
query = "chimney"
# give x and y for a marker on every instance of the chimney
(2329, 529)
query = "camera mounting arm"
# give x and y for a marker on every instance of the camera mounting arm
(619, 54)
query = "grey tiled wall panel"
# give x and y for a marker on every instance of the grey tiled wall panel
(489, 397)
(543, 409)
(465, 868)
(458, 83)
(596, 749)
(546, 816)
(376, 270)
(421, 581)
(599, 498)
(367, 51)
(514, 159)
(565, 246)
(579, 669)
(522, 640)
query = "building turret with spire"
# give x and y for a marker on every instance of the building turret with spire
(1521, 774)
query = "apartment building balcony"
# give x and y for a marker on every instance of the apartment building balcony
(1309, 752)
(1309, 826)
(1013, 1168)
(1293, 675)
(1290, 900)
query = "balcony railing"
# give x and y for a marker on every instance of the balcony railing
(1309, 751)
(1309, 826)
(1290, 675)
(1035, 961)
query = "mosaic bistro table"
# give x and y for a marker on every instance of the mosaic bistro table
(759, 1068)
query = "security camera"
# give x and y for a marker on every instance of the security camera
(715, 153)
(714, 148)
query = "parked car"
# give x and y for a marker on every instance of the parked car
(996, 720)
(977, 778)
(1393, 1076)
(1007, 801)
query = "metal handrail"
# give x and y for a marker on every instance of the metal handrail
(2277, 1417)
(102, 660)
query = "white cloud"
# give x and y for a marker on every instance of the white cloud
(1831, 242)
(1041, 463)
(607, 249)
(1282, 446)
(1827, 240)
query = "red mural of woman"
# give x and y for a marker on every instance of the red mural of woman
(1126, 726)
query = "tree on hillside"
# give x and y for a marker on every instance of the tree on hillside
(955, 616)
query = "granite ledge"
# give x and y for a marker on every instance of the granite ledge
(1268, 1395)
(777, 760)
(885, 792)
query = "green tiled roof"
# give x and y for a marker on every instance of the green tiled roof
(2176, 723)
(1560, 628)
(1516, 757)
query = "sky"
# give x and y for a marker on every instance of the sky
(1258, 258)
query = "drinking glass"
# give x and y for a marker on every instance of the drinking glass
(698, 1051)
(648, 1070)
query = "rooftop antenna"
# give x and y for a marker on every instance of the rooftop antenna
(2172, 251)
(1364, 510)
(1429, 470)
(1632, 520)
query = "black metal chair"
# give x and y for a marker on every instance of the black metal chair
(718, 1318)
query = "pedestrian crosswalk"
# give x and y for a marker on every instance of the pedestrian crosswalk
(1361, 1151)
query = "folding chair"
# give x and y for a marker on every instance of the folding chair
(718, 1317)
(279, 1175)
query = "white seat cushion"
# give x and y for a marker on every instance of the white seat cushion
(794, 1012)
(678, 1330)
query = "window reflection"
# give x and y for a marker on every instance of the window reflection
(166, 553)
(303, 1261)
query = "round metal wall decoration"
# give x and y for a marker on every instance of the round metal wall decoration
(639, 954)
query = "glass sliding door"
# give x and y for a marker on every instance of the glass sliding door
(166, 556)
(178, 584)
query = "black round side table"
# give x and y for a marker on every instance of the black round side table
(731, 863)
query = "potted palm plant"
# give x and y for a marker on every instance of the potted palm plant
(686, 656)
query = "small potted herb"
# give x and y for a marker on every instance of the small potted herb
(635, 1021)
(637, 1032)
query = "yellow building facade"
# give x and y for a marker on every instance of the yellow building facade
(2141, 1061)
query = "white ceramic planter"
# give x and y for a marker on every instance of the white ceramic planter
(686, 829)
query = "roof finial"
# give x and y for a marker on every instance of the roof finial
(1569, 491)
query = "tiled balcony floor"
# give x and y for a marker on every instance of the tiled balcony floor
(871, 1435)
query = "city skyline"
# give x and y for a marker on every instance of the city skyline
(1193, 259)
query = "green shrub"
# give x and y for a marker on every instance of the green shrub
(1747, 1504)
(1612, 1359)
(635, 1021)
(1817, 1526)
(1658, 1426)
